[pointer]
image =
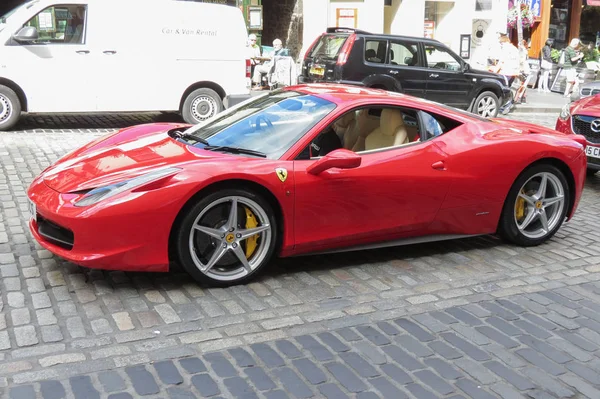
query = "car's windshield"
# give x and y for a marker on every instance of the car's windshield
(269, 124)
(328, 46)
(6, 17)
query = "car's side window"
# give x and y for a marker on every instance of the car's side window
(403, 53)
(441, 58)
(60, 24)
(375, 51)
(435, 125)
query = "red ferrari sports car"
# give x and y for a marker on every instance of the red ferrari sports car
(306, 169)
(583, 117)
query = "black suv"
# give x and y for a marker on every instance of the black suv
(416, 66)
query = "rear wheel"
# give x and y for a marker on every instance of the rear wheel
(227, 237)
(10, 108)
(486, 105)
(200, 105)
(536, 206)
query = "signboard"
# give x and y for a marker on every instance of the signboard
(346, 17)
(255, 17)
(536, 7)
(429, 29)
(465, 46)
(480, 28)
(595, 3)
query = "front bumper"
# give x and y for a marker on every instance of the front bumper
(566, 127)
(125, 235)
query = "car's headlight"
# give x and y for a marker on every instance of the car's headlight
(101, 193)
(565, 113)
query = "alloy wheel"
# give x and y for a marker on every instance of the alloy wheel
(486, 107)
(230, 238)
(539, 205)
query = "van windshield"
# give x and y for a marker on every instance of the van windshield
(269, 124)
(328, 46)
(6, 17)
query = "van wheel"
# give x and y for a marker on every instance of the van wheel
(486, 105)
(10, 108)
(200, 105)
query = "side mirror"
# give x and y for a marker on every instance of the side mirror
(466, 67)
(342, 158)
(26, 34)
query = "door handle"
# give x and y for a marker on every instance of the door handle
(393, 72)
(433, 75)
(439, 165)
(110, 52)
(83, 51)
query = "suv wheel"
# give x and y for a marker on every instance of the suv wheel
(486, 105)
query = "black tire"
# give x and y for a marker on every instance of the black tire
(487, 105)
(10, 108)
(590, 172)
(508, 229)
(185, 227)
(200, 105)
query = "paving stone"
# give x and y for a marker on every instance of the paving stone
(268, 355)
(387, 388)
(545, 349)
(419, 392)
(469, 349)
(52, 390)
(143, 382)
(346, 377)
(205, 385)
(220, 365)
(276, 395)
(193, 365)
(360, 365)
(111, 381)
(548, 382)
(22, 392)
(331, 391)
(509, 375)
(168, 373)
(288, 349)
(538, 360)
(473, 390)
(239, 388)
(292, 383)
(403, 358)
(415, 330)
(464, 316)
(396, 374)
(310, 371)
(348, 334)
(320, 352)
(333, 342)
(434, 382)
(83, 388)
(259, 378)
(373, 335)
(242, 357)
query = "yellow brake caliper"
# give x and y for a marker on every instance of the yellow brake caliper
(250, 241)
(520, 208)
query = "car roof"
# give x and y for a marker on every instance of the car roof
(343, 94)
(349, 31)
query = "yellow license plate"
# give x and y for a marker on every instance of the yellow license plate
(317, 71)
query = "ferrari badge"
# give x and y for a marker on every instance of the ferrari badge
(281, 173)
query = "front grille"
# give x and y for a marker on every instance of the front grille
(582, 125)
(54, 233)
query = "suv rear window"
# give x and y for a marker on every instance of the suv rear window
(328, 46)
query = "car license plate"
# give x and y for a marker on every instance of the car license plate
(33, 210)
(593, 152)
(317, 70)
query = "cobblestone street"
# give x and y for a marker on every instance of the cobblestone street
(465, 318)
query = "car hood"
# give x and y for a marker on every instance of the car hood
(587, 106)
(128, 153)
(485, 74)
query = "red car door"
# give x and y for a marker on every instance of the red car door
(393, 193)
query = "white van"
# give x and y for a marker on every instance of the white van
(63, 56)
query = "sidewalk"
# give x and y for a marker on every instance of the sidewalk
(541, 103)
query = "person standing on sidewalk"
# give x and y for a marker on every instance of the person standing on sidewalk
(572, 58)
(545, 66)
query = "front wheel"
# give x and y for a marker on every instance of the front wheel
(200, 105)
(10, 108)
(536, 206)
(227, 237)
(486, 105)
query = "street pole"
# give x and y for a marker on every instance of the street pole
(519, 22)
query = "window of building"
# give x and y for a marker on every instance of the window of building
(559, 23)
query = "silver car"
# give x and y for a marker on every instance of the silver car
(586, 90)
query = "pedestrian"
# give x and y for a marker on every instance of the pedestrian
(545, 66)
(572, 58)
(265, 69)
(524, 72)
(253, 52)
